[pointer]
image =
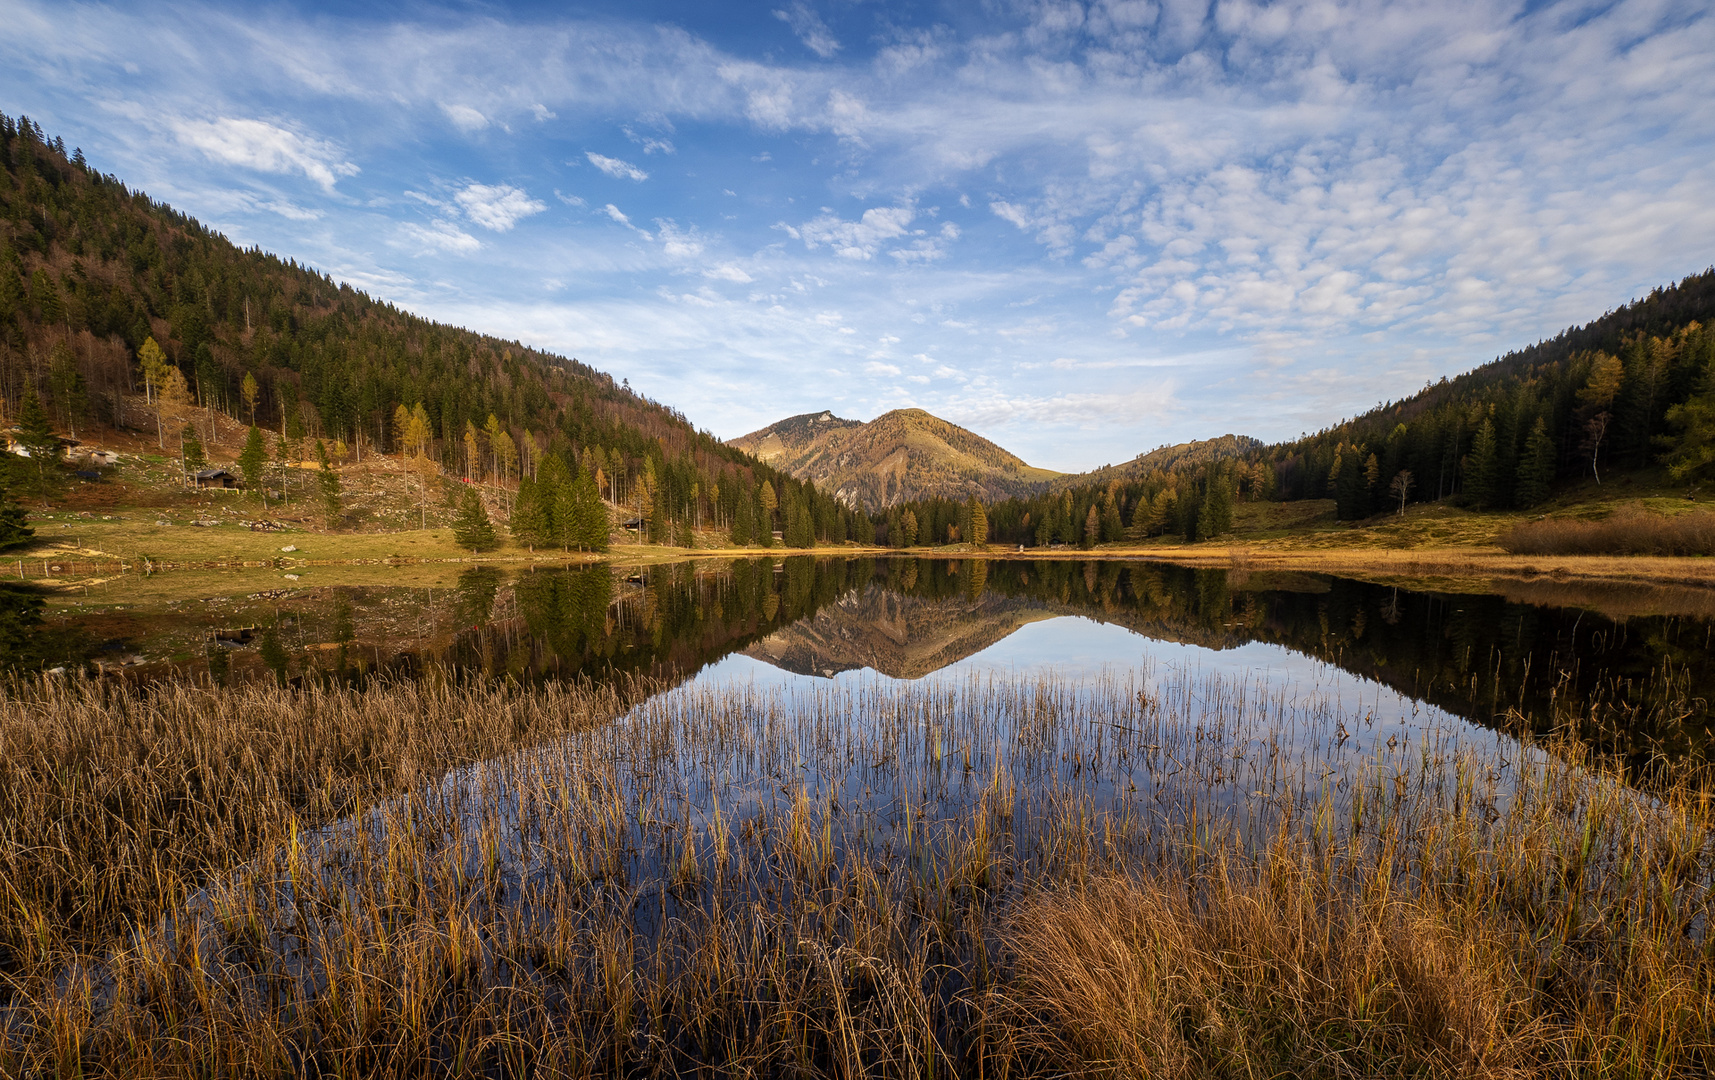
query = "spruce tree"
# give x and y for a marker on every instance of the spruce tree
(471, 528)
(908, 528)
(1481, 486)
(328, 481)
(979, 536)
(36, 436)
(1216, 515)
(1536, 467)
(592, 513)
(190, 449)
(252, 460)
(1112, 526)
(660, 528)
(529, 522)
(14, 527)
(743, 521)
(1092, 528)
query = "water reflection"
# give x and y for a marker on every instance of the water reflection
(1635, 686)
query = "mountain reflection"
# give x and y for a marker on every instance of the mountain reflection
(1634, 685)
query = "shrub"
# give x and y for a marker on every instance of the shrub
(1629, 532)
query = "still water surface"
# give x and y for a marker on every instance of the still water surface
(1635, 685)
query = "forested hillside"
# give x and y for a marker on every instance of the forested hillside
(1631, 390)
(90, 272)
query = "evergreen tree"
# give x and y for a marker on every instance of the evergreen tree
(251, 461)
(1092, 528)
(471, 527)
(800, 531)
(591, 513)
(770, 502)
(1482, 468)
(14, 527)
(328, 480)
(71, 400)
(190, 449)
(1215, 517)
(36, 436)
(660, 529)
(743, 520)
(1536, 467)
(979, 523)
(1112, 526)
(908, 529)
(529, 522)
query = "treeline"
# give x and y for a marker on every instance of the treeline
(1631, 390)
(90, 271)
(1195, 503)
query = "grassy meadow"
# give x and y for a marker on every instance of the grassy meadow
(1156, 874)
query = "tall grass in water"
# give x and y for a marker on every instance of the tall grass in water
(1180, 876)
(1628, 532)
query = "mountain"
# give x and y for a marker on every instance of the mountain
(1186, 455)
(901, 636)
(899, 456)
(90, 270)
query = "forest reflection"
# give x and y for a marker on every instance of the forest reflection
(1635, 685)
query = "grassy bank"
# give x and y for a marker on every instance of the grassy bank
(1184, 877)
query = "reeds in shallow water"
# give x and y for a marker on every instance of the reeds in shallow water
(1139, 875)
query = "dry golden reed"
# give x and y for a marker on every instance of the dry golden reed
(1140, 875)
(1628, 532)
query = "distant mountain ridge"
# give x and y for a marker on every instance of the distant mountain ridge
(1166, 459)
(899, 456)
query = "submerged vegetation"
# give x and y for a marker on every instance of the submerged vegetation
(1159, 874)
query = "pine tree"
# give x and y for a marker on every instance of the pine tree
(979, 523)
(1092, 528)
(1536, 467)
(592, 513)
(908, 528)
(529, 522)
(770, 502)
(190, 448)
(252, 460)
(1482, 468)
(36, 436)
(328, 480)
(252, 393)
(660, 528)
(14, 520)
(1113, 528)
(471, 528)
(71, 401)
(1216, 514)
(743, 521)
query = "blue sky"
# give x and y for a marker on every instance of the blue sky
(1082, 229)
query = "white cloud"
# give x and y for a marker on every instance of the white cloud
(498, 207)
(542, 113)
(614, 167)
(614, 213)
(650, 144)
(728, 272)
(877, 368)
(438, 236)
(465, 118)
(265, 147)
(810, 28)
(856, 239)
(677, 243)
